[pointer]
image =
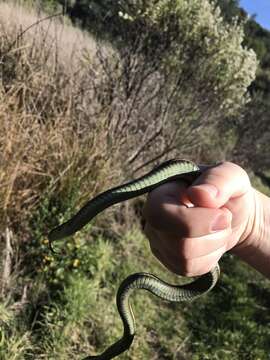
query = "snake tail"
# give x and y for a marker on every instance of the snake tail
(158, 287)
(115, 349)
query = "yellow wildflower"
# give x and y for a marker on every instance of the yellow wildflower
(76, 263)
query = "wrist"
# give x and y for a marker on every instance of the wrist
(254, 246)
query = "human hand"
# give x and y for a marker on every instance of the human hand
(190, 228)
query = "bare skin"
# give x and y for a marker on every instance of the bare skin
(190, 228)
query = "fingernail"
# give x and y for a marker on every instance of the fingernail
(221, 222)
(210, 189)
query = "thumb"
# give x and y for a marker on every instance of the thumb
(218, 184)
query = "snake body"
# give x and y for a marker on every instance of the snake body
(168, 171)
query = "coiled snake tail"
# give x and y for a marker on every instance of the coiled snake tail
(158, 287)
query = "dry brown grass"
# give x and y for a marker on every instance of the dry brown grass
(48, 127)
(57, 32)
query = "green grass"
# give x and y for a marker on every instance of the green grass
(232, 323)
(72, 311)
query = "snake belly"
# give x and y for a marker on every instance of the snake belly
(168, 171)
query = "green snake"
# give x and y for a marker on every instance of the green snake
(168, 171)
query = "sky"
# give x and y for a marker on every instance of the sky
(259, 7)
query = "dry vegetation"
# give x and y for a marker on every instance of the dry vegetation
(48, 128)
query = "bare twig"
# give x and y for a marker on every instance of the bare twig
(21, 34)
(7, 262)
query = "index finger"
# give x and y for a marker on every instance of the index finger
(218, 184)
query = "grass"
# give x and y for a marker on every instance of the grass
(228, 325)
(75, 314)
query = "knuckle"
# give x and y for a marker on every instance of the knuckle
(194, 267)
(203, 269)
(186, 249)
(235, 167)
(186, 267)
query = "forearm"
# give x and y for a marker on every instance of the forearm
(255, 250)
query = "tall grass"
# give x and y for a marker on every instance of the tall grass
(47, 126)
